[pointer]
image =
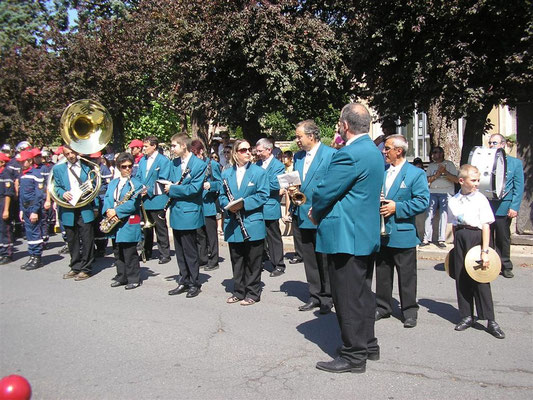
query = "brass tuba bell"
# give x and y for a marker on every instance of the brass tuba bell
(86, 127)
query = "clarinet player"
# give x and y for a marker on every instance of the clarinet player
(244, 224)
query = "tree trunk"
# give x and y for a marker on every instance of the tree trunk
(200, 126)
(474, 129)
(118, 132)
(251, 129)
(443, 133)
(183, 124)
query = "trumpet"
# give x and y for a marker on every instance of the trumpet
(297, 198)
(146, 223)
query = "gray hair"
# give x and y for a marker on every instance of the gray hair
(503, 139)
(399, 142)
(310, 128)
(357, 117)
(265, 143)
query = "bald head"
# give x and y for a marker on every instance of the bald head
(355, 118)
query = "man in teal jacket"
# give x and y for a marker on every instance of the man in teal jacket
(507, 208)
(346, 209)
(406, 194)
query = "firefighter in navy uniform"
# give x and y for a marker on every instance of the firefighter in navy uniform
(31, 199)
(44, 170)
(7, 193)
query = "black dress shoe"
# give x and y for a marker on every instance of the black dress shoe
(380, 315)
(325, 309)
(309, 306)
(117, 284)
(465, 323)
(507, 273)
(295, 260)
(277, 272)
(409, 323)
(193, 292)
(373, 355)
(339, 365)
(494, 329)
(208, 268)
(164, 260)
(179, 290)
(130, 286)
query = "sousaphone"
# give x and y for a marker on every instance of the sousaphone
(86, 127)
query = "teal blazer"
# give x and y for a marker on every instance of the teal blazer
(272, 208)
(129, 228)
(346, 202)
(160, 169)
(410, 192)
(315, 174)
(187, 211)
(514, 188)
(62, 185)
(254, 191)
(210, 196)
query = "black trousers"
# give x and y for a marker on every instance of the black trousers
(405, 262)
(316, 268)
(100, 238)
(246, 261)
(207, 238)
(274, 243)
(127, 262)
(81, 254)
(187, 256)
(297, 238)
(468, 290)
(161, 230)
(500, 239)
(355, 304)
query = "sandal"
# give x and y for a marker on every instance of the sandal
(248, 302)
(232, 299)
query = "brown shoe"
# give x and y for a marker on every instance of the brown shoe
(82, 276)
(70, 274)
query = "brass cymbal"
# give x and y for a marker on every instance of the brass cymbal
(474, 268)
(447, 263)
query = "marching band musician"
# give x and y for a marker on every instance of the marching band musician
(100, 238)
(78, 222)
(186, 212)
(207, 235)
(7, 193)
(249, 182)
(128, 232)
(154, 166)
(31, 197)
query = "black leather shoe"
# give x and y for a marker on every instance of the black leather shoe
(494, 329)
(465, 323)
(409, 323)
(277, 272)
(339, 365)
(441, 245)
(117, 284)
(130, 286)
(295, 260)
(5, 260)
(325, 309)
(380, 315)
(179, 290)
(208, 268)
(193, 292)
(309, 306)
(507, 273)
(164, 260)
(373, 355)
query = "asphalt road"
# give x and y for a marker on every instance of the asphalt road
(86, 340)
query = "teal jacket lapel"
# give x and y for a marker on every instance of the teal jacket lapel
(397, 182)
(317, 160)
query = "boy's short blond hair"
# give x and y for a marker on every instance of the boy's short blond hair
(465, 170)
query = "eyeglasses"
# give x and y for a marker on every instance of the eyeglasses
(244, 150)
(387, 148)
(495, 143)
(126, 166)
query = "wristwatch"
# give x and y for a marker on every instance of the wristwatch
(485, 251)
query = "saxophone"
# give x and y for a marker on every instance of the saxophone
(108, 224)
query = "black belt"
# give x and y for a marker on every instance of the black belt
(472, 228)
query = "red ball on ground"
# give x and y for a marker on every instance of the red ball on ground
(14, 387)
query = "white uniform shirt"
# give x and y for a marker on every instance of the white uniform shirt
(240, 174)
(267, 162)
(392, 173)
(74, 169)
(472, 209)
(309, 157)
(150, 161)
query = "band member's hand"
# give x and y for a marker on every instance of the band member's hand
(485, 259)
(67, 196)
(110, 213)
(144, 191)
(207, 185)
(5, 215)
(286, 218)
(167, 188)
(442, 169)
(34, 218)
(236, 207)
(21, 216)
(388, 208)
(47, 205)
(512, 213)
(310, 215)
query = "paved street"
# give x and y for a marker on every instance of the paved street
(85, 340)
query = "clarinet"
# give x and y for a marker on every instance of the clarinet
(170, 201)
(238, 214)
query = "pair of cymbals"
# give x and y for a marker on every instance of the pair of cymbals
(474, 265)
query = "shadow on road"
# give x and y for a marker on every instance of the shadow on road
(324, 332)
(443, 310)
(297, 289)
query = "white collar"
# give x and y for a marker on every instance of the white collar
(313, 151)
(354, 138)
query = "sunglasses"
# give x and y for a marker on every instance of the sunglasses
(244, 150)
(126, 166)
(494, 143)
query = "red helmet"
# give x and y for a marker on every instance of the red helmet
(15, 387)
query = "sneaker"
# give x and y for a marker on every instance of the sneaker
(63, 250)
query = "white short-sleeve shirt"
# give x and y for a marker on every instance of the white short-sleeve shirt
(472, 209)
